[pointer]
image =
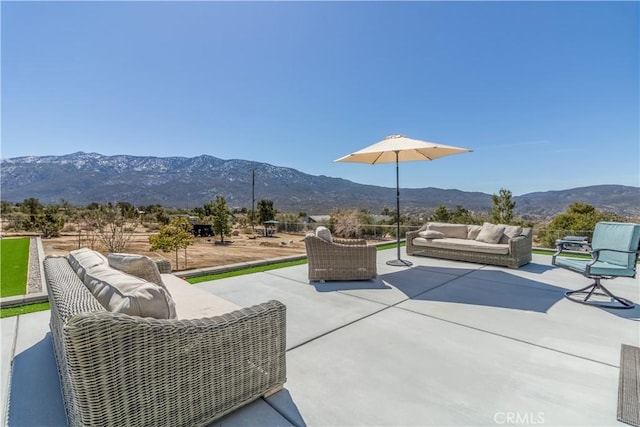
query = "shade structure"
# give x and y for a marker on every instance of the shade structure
(399, 148)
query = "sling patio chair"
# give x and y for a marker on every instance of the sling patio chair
(614, 253)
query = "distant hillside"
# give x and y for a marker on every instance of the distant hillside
(619, 199)
(83, 178)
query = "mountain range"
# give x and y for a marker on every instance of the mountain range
(82, 178)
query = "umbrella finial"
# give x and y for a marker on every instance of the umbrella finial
(395, 136)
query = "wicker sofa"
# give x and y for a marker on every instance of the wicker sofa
(205, 358)
(332, 258)
(503, 245)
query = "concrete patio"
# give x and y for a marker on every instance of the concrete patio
(440, 343)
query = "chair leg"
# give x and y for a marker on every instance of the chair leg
(592, 290)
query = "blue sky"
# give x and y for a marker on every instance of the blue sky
(546, 94)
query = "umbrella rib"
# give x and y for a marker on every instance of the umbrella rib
(376, 159)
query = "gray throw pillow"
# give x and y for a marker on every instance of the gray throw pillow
(490, 233)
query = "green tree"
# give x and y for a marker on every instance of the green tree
(173, 237)
(580, 219)
(5, 207)
(49, 222)
(441, 214)
(265, 211)
(461, 216)
(127, 210)
(502, 207)
(46, 220)
(220, 217)
(31, 206)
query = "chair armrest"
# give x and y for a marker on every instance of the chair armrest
(596, 252)
(560, 244)
(198, 369)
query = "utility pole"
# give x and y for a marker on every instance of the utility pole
(253, 197)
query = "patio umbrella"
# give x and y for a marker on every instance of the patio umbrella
(399, 148)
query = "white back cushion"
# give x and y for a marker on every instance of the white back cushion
(324, 233)
(119, 292)
(83, 259)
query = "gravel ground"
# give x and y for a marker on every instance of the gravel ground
(34, 283)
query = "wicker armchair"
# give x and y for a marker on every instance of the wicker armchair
(341, 259)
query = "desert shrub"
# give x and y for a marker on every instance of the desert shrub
(345, 224)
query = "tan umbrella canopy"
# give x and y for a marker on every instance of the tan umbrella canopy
(399, 148)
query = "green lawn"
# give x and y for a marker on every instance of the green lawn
(23, 309)
(250, 270)
(14, 266)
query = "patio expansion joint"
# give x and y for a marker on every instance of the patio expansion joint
(511, 338)
(385, 307)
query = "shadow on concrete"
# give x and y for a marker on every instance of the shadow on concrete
(35, 397)
(493, 288)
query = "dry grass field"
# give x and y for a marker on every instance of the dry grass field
(206, 252)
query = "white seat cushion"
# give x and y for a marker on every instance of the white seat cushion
(193, 302)
(463, 245)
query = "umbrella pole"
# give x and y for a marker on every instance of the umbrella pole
(399, 262)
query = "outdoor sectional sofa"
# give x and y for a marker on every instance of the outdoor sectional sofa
(136, 345)
(503, 245)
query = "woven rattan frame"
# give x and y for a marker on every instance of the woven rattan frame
(519, 252)
(122, 370)
(342, 259)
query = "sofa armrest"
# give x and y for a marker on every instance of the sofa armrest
(164, 265)
(127, 370)
(410, 235)
(520, 247)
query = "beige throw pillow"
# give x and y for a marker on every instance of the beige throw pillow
(510, 232)
(473, 231)
(431, 234)
(455, 231)
(490, 233)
